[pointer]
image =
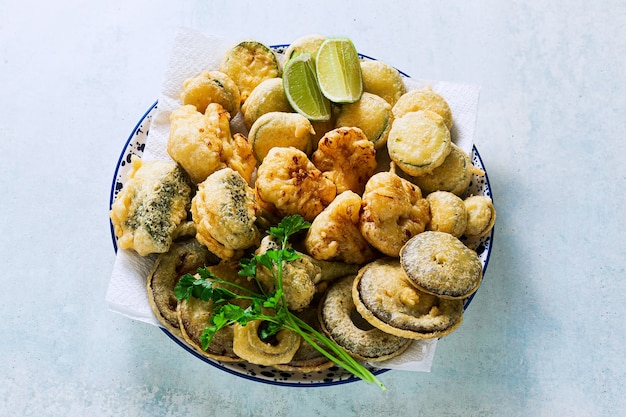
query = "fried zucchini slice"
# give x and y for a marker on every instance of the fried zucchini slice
(307, 43)
(453, 175)
(211, 87)
(419, 142)
(283, 130)
(249, 63)
(151, 206)
(423, 99)
(269, 96)
(383, 80)
(372, 114)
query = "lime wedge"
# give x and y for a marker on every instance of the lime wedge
(302, 89)
(339, 70)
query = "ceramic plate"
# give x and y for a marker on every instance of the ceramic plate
(335, 375)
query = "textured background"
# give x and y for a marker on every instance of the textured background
(545, 334)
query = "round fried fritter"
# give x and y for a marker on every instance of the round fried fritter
(248, 64)
(383, 80)
(386, 299)
(372, 114)
(183, 257)
(346, 157)
(341, 322)
(453, 175)
(419, 142)
(307, 43)
(440, 264)
(268, 96)
(211, 87)
(288, 183)
(393, 211)
(481, 216)
(423, 99)
(334, 234)
(447, 213)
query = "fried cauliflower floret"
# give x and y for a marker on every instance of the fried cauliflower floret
(346, 157)
(393, 211)
(288, 183)
(224, 212)
(202, 143)
(151, 206)
(335, 234)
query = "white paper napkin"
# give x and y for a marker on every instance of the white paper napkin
(193, 52)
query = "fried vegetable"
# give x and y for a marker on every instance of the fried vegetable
(202, 143)
(423, 99)
(383, 80)
(334, 234)
(249, 346)
(307, 43)
(440, 264)
(419, 142)
(346, 157)
(183, 257)
(268, 96)
(385, 297)
(288, 183)
(194, 315)
(211, 87)
(249, 63)
(224, 212)
(151, 206)
(453, 175)
(481, 216)
(393, 211)
(280, 129)
(371, 114)
(448, 213)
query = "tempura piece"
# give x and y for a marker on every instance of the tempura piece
(393, 211)
(335, 234)
(152, 204)
(423, 99)
(249, 63)
(346, 157)
(383, 80)
(202, 143)
(288, 183)
(211, 87)
(448, 213)
(224, 211)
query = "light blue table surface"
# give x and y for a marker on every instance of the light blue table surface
(545, 334)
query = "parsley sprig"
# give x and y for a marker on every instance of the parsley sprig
(270, 307)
